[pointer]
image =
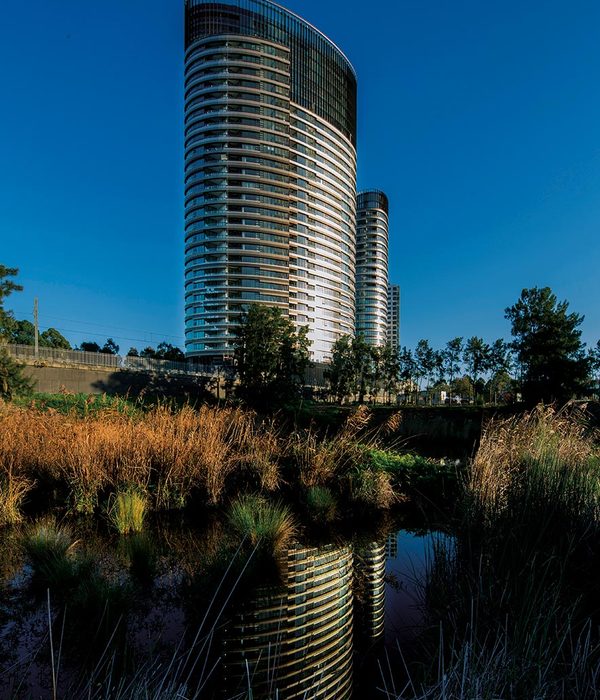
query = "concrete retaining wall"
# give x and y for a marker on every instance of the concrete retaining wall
(121, 382)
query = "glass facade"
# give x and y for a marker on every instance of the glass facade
(270, 174)
(393, 316)
(372, 236)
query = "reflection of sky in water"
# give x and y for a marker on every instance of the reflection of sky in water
(408, 555)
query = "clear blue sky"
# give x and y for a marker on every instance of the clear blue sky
(481, 120)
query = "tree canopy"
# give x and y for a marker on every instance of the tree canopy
(548, 346)
(270, 356)
(12, 379)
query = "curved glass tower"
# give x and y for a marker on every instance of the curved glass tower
(372, 234)
(270, 174)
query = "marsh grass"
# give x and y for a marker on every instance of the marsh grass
(13, 491)
(268, 525)
(322, 504)
(50, 550)
(177, 457)
(126, 510)
(510, 602)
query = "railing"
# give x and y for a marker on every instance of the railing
(27, 354)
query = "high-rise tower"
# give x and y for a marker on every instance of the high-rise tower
(393, 317)
(372, 266)
(270, 174)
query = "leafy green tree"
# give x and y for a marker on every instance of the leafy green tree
(51, 338)
(89, 346)
(425, 359)
(7, 286)
(133, 352)
(476, 356)
(12, 380)
(340, 372)
(148, 352)
(110, 347)
(407, 369)
(547, 343)
(452, 357)
(462, 388)
(362, 360)
(390, 369)
(19, 332)
(270, 356)
(499, 365)
(594, 360)
(166, 351)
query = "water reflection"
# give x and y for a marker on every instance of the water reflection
(296, 639)
(316, 634)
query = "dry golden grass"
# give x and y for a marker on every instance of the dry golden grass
(319, 460)
(513, 451)
(166, 453)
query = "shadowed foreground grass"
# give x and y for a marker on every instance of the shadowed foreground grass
(512, 601)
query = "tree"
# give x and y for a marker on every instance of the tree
(51, 338)
(425, 359)
(499, 364)
(452, 356)
(408, 370)
(89, 346)
(390, 369)
(594, 360)
(362, 360)
(148, 352)
(340, 373)
(7, 286)
(270, 356)
(19, 332)
(476, 356)
(110, 347)
(12, 380)
(547, 343)
(166, 351)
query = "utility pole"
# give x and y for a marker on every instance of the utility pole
(36, 326)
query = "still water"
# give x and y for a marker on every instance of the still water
(317, 623)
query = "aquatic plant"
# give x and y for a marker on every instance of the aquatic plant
(14, 488)
(509, 603)
(49, 548)
(270, 525)
(126, 510)
(372, 488)
(322, 504)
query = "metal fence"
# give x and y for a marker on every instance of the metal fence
(27, 354)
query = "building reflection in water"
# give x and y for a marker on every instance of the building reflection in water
(296, 640)
(370, 590)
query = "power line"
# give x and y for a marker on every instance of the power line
(179, 338)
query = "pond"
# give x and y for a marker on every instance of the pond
(170, 608)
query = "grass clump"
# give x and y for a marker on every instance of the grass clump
(269, 525)
(126, 510)
(322, 504)
(49, 548)
(13, 490)
(511, 601)
(372, 488)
